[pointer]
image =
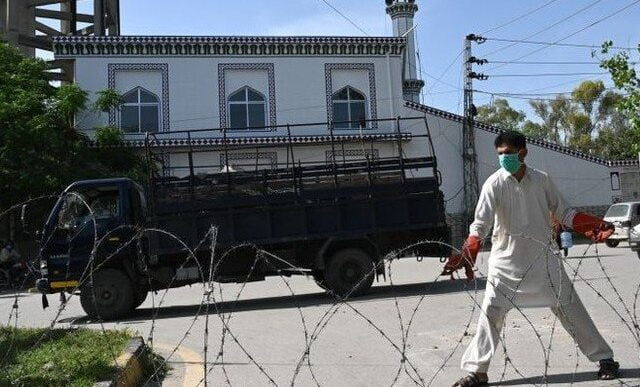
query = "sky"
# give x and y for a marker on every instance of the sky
(441, 28)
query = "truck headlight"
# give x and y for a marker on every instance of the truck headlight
(44, 271)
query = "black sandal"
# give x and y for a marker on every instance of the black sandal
(608, 369)
(470, 380)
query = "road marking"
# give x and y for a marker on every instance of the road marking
(190, 359)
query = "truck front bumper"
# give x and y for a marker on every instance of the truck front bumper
(45, 286)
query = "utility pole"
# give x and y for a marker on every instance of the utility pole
(469, 156)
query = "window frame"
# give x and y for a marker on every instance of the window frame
(348, 102)
(139, 104)
(246, 103)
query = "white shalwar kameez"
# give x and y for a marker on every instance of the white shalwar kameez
(524, 266)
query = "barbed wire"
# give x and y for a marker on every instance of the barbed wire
(208, 258)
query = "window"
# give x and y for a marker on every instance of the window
(140, 112)
(77, 208)
(247, 109)
(349, 109)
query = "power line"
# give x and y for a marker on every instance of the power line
(573, 33)
(438, 80)
(547, 28)
(520, 17)
(557, 44)
(573, 81)
(543, 62)
(523, 97)
(532, 94)
(345, 17)
(542, 75)
(444, 72)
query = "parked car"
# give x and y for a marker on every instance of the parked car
(634, 239)
(624, 216)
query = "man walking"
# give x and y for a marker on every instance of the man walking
(516, 201)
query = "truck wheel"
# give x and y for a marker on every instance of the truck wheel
(318, 276)
(612, 242)
(114, 295)
(350, 272)
(141, 296)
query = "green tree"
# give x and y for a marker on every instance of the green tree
(626, 79)
(579, 120)
(501, 114)
(553, 115)
(40, 149)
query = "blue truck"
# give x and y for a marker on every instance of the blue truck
(113, 240)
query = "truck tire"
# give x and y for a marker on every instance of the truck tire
(612, 242)
(349, 273)
(141, 296)
(318, 276)
(114, 295)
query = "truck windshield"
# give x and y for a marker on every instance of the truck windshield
(77, 207)
(617, 210)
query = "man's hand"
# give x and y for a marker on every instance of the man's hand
(593, 227)
(466, 258)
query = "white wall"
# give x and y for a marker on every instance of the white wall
(300, 86)
(581, 182)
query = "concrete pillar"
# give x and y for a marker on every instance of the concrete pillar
(98, 17)
(3, 19)
(12, 18)
(65, 25)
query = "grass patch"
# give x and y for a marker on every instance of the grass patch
(63, 357)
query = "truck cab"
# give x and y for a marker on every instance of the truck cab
(89, 214)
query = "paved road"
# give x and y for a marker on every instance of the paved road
(354, 345)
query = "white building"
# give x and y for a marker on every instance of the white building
(253, 87)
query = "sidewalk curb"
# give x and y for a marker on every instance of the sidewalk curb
(130, 364)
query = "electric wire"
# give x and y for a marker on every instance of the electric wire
(336, 10)
(541, 75)
(524, 15)
(592, 24)
(592, 4)
(444, 72)
(538, 42)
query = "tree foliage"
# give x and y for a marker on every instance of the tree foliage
(500, 113)
(40, 149)
(589, 120)
(625, 78)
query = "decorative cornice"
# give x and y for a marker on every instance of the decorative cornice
(274, 140)
(541, 143)
(399, 9)
(74, 46)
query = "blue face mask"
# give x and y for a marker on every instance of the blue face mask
(510, 162)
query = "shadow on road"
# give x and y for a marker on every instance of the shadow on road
(289, 302)
(567, 378)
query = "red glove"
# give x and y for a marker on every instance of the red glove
(592, 227)
(466, 258)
